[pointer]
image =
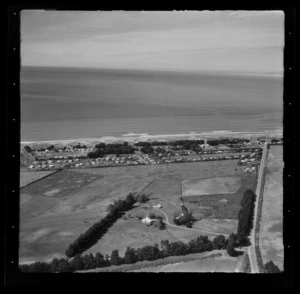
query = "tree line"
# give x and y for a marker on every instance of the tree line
(103, 149)
(131, 255)
(153, 143)
(245, 217)
(225, 141)
(187, 145)
(97, 230)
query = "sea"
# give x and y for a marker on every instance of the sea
(73, 103)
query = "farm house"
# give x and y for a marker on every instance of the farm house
(147, 220)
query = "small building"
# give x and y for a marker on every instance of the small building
(147, 220)
(157, 206)
(179, 216)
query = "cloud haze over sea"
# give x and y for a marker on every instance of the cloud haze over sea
(240, 41)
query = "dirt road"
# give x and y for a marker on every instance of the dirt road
(252, 248)
(184, 228)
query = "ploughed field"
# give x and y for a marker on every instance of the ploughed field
(60, 207)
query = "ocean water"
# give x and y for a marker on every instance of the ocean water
(61, 104)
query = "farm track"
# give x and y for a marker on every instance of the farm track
(252, 248)
(146, 186)
(190, 229)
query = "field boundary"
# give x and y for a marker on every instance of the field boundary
(149, 264)
(198, 198)
(146, 186)
(54, 172)
(259, 214)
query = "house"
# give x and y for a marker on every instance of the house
(147, 220)
(179, 216)
(157, 206)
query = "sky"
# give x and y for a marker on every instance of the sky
(230, 41)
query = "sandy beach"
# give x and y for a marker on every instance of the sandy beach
(132, 137)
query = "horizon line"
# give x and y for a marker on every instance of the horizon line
(279, 74)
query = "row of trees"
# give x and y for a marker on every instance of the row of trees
(111, 149)
(79, 146)
(276, 140)
(154, 143)
(147, 149)
(97, 230)
(52, 148)
(225, 141)
(131, 255)
(245, 217)
(79, 262)
(186, 142)
(187, 145)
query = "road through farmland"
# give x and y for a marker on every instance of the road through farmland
(184, 228)
(252, 248)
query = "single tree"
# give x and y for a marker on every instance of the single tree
(114, 257)
(129, 256)
(271, 267)
(99, 260)
(28, 149)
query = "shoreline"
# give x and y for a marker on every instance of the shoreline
(132, 137)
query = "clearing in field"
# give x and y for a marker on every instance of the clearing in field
(216, 185)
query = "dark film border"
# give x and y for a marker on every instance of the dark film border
(12, 167)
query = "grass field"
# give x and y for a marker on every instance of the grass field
(220, 206)
(271, 242)
(159, 262)
(27, 177)
(210, 186)
(223, 263)
(57, 209)
(213, 261)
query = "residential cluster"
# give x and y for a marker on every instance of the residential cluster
(77, 156)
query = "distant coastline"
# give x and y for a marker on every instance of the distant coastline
(136, 71)
(133, 137)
